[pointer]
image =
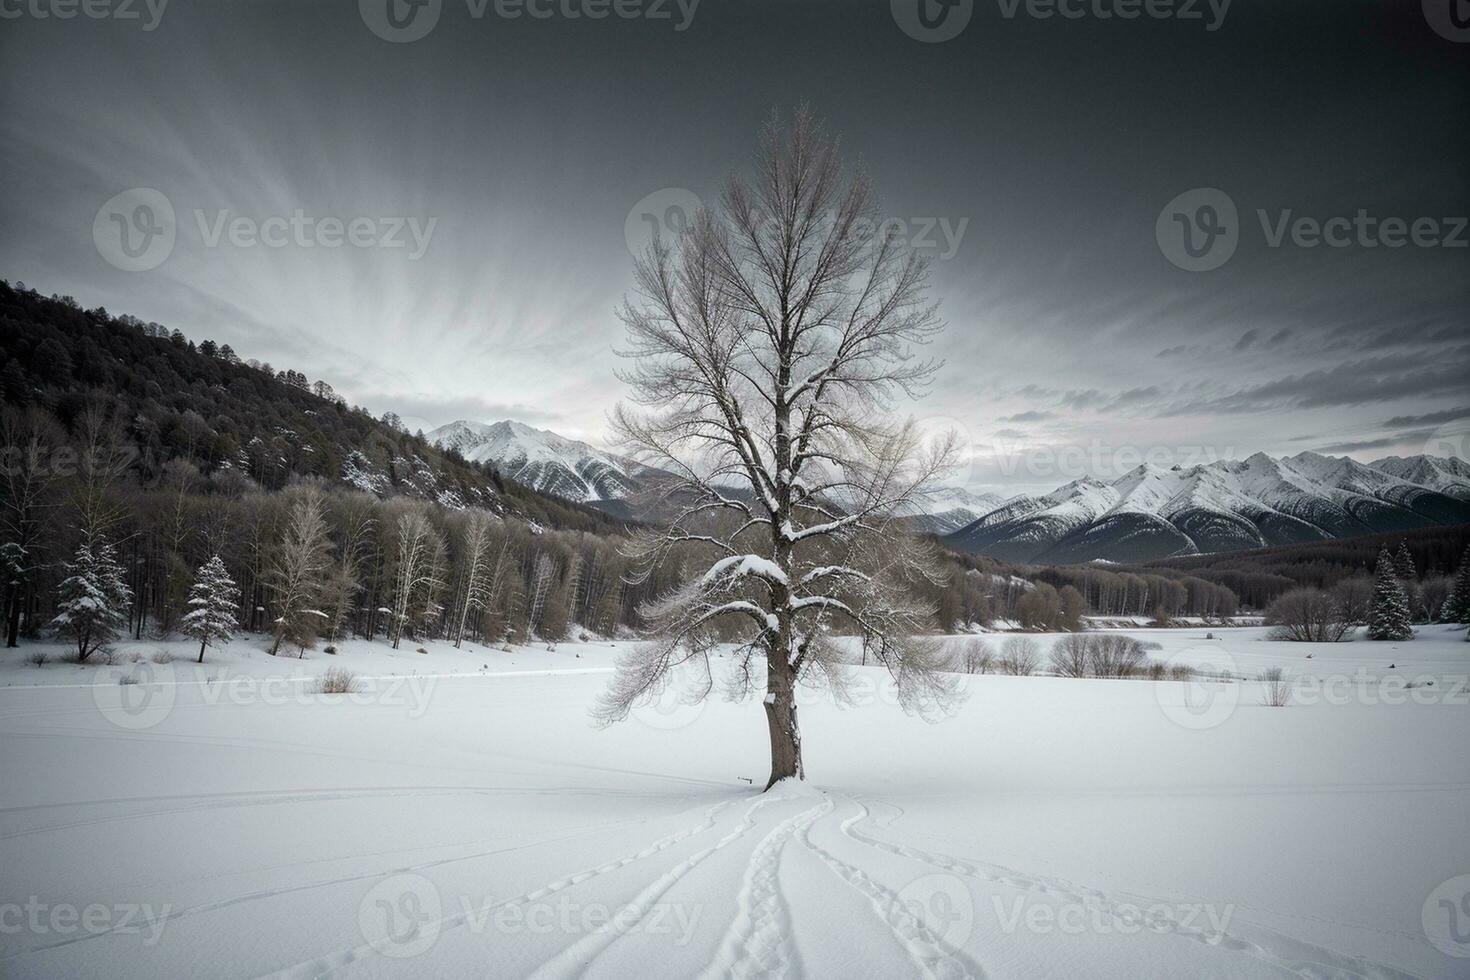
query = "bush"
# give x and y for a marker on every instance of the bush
(1115, 656)
(162, 657)
(1278, 688)
(37, 657)
(1020, 656)
(1181, 672)
(336, 681)
(1307, 616)
(329, 650)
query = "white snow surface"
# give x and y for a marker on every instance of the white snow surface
(462, 818)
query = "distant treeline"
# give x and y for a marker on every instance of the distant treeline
(1260, 575)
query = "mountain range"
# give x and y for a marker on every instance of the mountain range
(1148, 513)
(1152, 512)
(546, 462)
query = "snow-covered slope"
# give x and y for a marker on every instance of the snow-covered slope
(1152, 512)
(1448, 476)
(544, 460)
(950, 508)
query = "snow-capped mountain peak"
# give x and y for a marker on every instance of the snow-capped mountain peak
(1152, 512)
(544, 460)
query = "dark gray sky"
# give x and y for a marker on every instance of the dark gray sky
(1053, 144)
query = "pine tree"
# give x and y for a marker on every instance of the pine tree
(1456, 608)
(1403, 564)
(1408, 575)
(1388, 613)
(93, 598)
(212, 600)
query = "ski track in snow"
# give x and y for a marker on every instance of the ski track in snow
(1293, 956)
(325, 965)
(928, 953)
(758, 940)
(576, 958)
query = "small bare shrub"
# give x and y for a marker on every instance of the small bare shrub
(1020, 656)
(162, 657)
(1278, 688)
(37, 657)
(336, 681)
(1307, 616)
(1115, 655)
(1181, 672)
(1155, 670)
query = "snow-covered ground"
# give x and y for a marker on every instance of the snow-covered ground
(461, 817)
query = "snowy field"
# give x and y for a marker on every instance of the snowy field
(461, 817)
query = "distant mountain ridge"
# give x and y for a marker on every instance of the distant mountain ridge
(1152, 512)
(545, 461)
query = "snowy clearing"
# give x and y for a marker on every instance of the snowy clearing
(459, 816)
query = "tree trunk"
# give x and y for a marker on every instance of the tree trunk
(12, 618)
(202, 644)
(782, 725)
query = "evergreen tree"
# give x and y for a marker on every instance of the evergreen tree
(1408, 575)
(1388, 614)
(1456, 608)
(213, 601)
(93, 598)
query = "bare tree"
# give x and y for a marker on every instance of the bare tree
(1020, 656)
(766, 351)
(28, 468)
(479, 577)
(301, 562)
(418, 570)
